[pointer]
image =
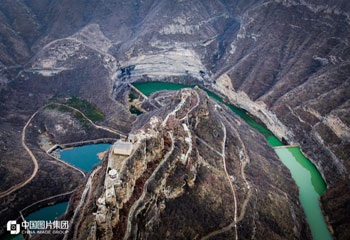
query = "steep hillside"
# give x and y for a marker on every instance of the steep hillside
(284, 61)
(196, 172)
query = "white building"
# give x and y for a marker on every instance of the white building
(122, 148)
(113, 173)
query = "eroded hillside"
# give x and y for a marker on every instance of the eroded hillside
(195, 172)
(284, 61)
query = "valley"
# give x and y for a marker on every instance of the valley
(315, 188)
(271, 73)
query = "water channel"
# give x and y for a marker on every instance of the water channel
(308, 179)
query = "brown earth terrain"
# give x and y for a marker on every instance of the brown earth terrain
(180, 183)
(284, 61)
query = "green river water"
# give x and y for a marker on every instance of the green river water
(304, 173)
(309, 180)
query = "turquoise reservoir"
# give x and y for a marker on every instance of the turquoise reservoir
(83, 157)
(48, 213)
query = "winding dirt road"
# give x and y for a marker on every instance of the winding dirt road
(144, 191)
(244, 158)
(234, 194)
(91, 122)
(134, 211)
(34, 160)
(32, 156)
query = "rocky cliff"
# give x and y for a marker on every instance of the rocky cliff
(196, 172)
(284, 61)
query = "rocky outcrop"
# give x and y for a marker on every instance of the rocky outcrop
(285, 61)
(196, 171)
(171, 62)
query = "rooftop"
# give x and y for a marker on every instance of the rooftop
(113, 173)
(122, 148)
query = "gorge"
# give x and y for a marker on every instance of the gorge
(70, 71)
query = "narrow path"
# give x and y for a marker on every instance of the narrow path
(162, 97)
(82, 199)
(46, 199)
(3, 210)
(157, 101)
(210, 147)
(85, 197)
(229, 180)
(21, 216)
(144, 191)
(189, 141)
(91, 122)
(244, 158)
(177, 108)
(249, 194)
(234, 194)
(222, 154)
(195, 106)
(34, 160)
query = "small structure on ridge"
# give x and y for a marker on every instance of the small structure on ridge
(122, 148)
(113, 173)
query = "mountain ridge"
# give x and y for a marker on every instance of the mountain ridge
(286, 62)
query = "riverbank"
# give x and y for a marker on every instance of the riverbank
(319, 229)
